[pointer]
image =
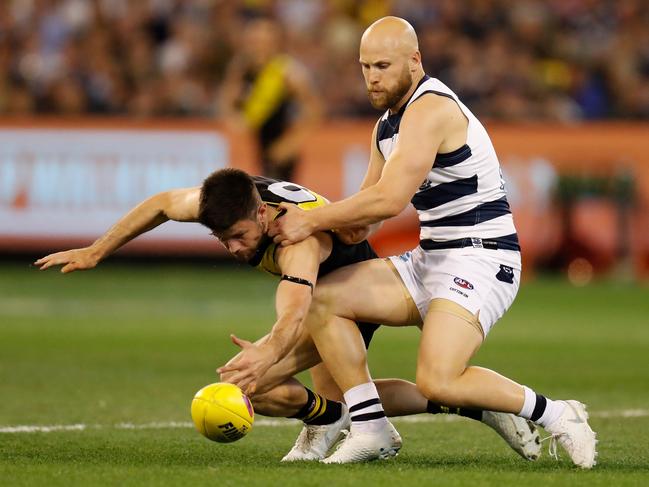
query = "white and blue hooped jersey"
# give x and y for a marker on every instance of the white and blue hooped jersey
(463, 197)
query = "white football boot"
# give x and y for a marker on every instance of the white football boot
(572, 432)
(362, 446)
(522, 435)
(314, 441)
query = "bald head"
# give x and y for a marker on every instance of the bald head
(391, 34)
(389, 56)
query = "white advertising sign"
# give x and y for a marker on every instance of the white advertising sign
(73, 184)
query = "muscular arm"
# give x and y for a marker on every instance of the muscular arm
(292, 300)
(423, 129)
(178, 204)
(420, 135)
(356, 234)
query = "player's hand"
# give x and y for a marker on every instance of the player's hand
(71, 260)
(292, 227)
(353, 235)
(248, 366)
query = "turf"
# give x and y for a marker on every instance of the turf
(131, 344)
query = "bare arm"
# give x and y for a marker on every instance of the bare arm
(356, 234)
(292, 300)
(178, 204)
(292, 303)
(423, 128)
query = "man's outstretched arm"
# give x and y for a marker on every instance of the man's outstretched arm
(422, 130)
(178, 204)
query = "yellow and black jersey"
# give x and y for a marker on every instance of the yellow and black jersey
(267, 102)
(273, 193)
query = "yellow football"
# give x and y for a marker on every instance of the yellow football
(222, 412)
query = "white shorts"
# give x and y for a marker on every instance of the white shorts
(479, 280)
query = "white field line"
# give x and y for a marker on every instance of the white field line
(421, 418)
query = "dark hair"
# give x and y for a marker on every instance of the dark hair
(227, 196)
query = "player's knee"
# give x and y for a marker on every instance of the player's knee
(260, 403)
(327, 301)
(436, 387)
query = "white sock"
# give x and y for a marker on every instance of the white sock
(528, 404)
(540, 409)
(553, 410)
(365, 408)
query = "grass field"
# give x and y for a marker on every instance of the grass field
(115, 356)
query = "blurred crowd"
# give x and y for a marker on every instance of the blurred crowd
(561, 60)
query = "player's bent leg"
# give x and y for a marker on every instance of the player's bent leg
(282, 401)
(447, 344)
(345, 297)
(315, 440)
(403, 398)
(341, 299)
(324, 384)
(400, 397)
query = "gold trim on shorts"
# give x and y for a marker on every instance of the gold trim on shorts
(451, 307)
(413, 311)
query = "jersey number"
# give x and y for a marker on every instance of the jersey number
(292, 192)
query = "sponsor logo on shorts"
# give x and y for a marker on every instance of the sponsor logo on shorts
(463, 283)
(462, 293)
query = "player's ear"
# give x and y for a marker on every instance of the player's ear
(261, 212)
(414, 61)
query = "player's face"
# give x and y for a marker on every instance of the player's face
(242, 239)
(261, 41)
(387, 79)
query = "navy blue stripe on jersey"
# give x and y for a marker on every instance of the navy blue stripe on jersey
(481, 213)
(507, 242)
(452, 158)
(444, 193)
(390, 126)
(387, 128)
(440, 93)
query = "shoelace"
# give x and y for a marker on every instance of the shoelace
(552, 447)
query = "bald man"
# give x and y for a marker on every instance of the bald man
(430, 150)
